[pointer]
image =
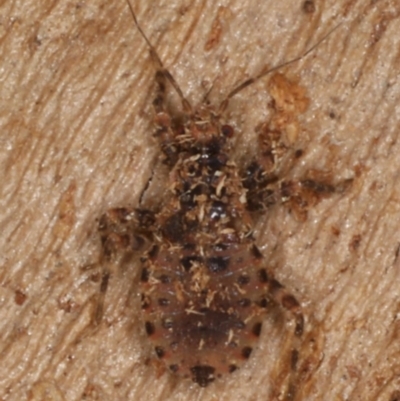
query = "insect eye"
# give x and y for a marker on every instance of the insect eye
(227, 130)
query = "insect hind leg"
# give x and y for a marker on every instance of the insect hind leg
(303, 346)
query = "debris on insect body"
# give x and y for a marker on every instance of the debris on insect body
(205, 286)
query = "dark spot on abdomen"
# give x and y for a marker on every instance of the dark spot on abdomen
(217, 264)
(203, 375)
(150, 329)
(262, 275)
(256, 330)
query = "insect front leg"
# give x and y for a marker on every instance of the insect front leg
(260, 176)
(123, 232)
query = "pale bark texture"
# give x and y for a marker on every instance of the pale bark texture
(77, 84)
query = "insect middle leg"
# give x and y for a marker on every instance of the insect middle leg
(123, 232)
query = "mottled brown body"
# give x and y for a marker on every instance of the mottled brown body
(205, 287)
(203, 284)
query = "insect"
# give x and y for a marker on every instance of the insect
(205, 286)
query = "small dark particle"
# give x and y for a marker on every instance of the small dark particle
(19, 297)
(150, 329)
(263, 276)
(153, 251)
(173, 368)
(160, 352)
(217, 264)
(275, 285)
(256, 330)
(290, 302)
(246, 352)
(309, 7)
(232, 368)
(355, 242)
(144, 277)
(243, 279)
(187, 261)
(298, 153)
(256, 252)
(263, 303)
(227, 130)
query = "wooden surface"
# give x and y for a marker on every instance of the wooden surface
(75, 134)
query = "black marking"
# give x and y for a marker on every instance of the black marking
(298, 153)
(217, 264)
(160, 352)
(263, 303)
(203, 374)
(232, 368)
(187, 261)
(275, 285)
(256, 330)
(263, 276)
(150, 329)
(153, 252)
(144, 277)
(256, 252)
(246, 352)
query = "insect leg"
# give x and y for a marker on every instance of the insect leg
(123, 232)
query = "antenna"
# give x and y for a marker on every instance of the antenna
(185, 103)
(262, 74)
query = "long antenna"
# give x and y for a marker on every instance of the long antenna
(161, 68)
(262, 74)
